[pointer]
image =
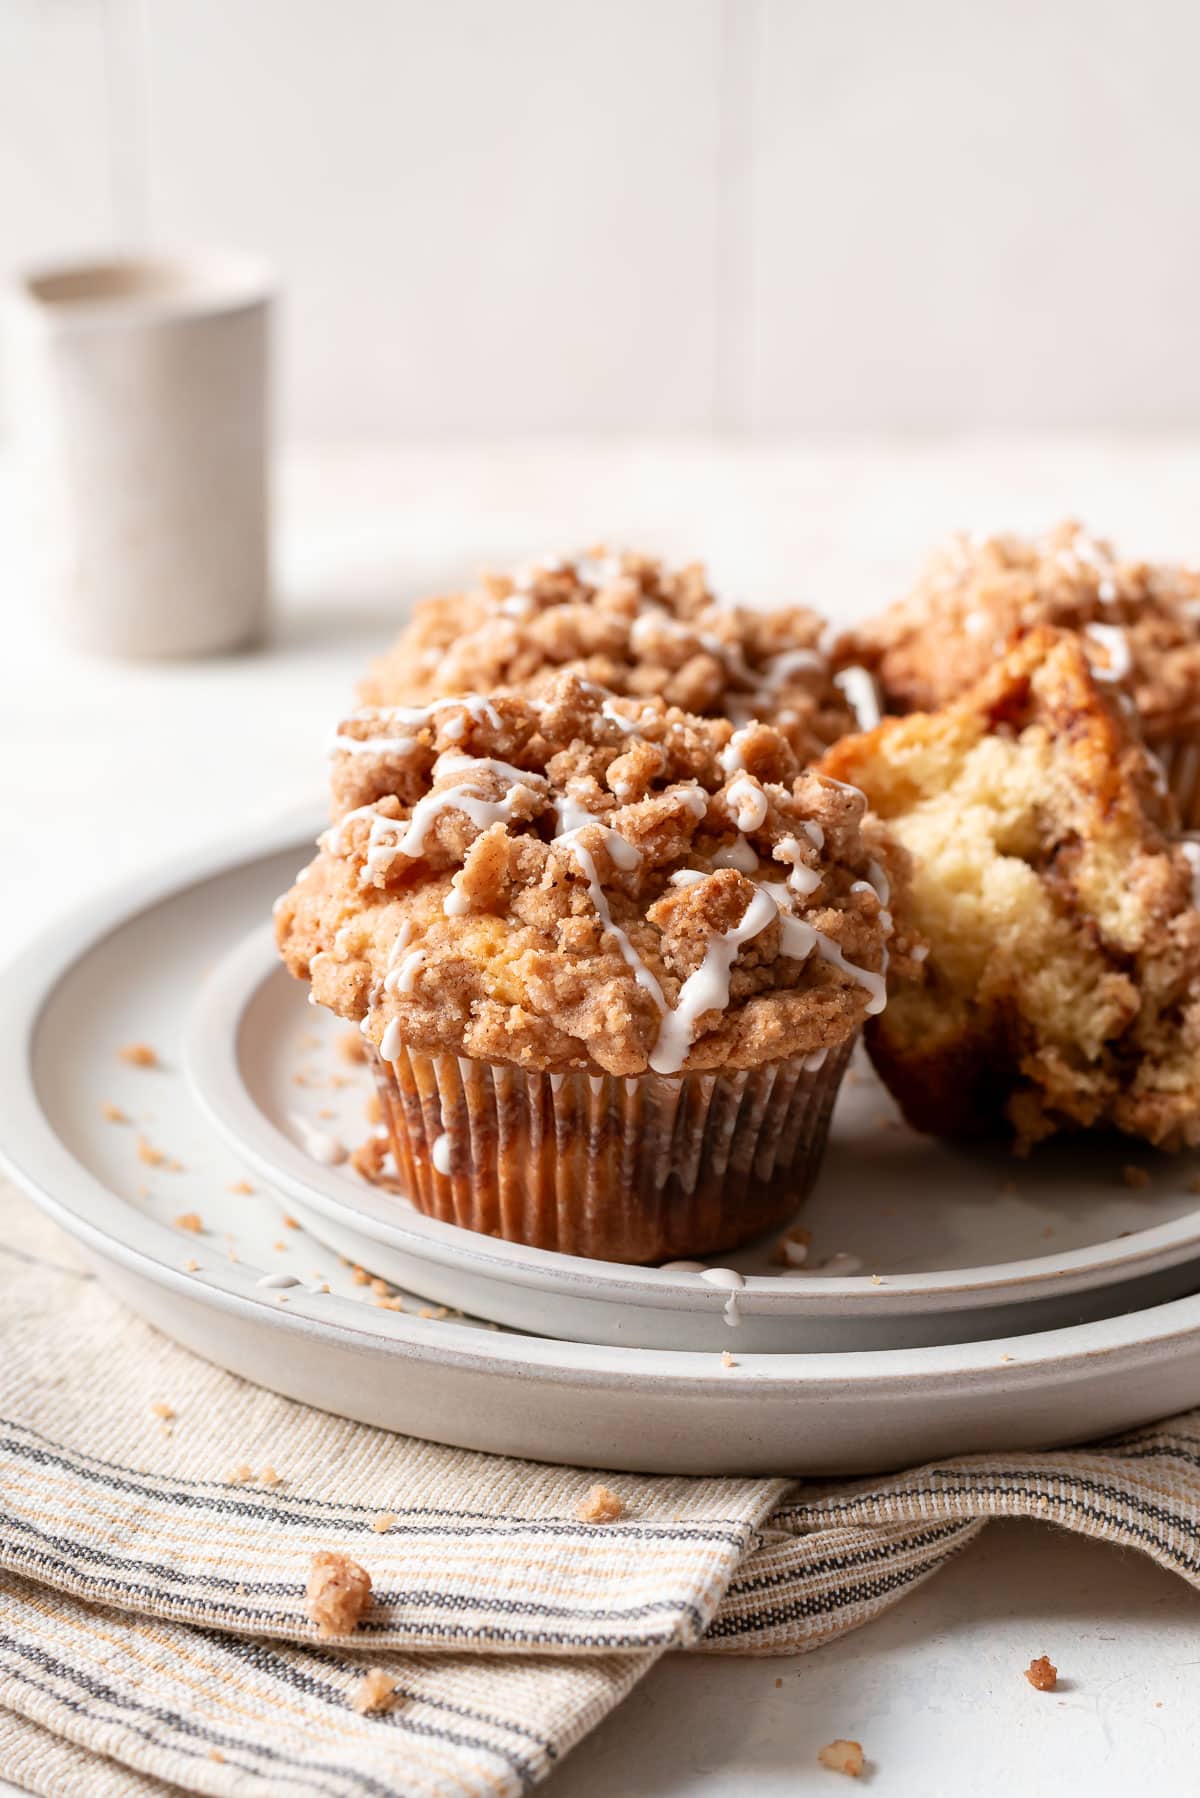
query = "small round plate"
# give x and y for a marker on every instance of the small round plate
(127, 968)
(1055, 1240)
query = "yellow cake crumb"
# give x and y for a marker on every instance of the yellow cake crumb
(147, 1152)
(191, 1266)
(269, 1477)
(241, 1475)
(190, 1220)
(338, 1593)
(383, 1522)
(600, 1506)
(727, 1359)
(138, 1055)
(374, 1692)
(113, 1114)
(290, 1223)
(241, 1186)
(842, 1756)
(160, 1408)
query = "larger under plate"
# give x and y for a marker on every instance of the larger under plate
(129, 968)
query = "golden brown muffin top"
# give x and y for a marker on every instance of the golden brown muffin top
(1063, 974)
(632, 625)
(572, 880)
(1139, 623)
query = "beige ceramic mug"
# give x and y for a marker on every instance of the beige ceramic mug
(140, 407)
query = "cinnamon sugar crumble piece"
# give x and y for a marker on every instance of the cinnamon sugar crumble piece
(138, 1055)
(1135, 1177)
(375, 1691)
(191, 1266)
(269, 1477)
(241, 1475)
(190, 1220)
(1042, 1674)
(338, 1593)
(161, 1409)
(391, 1303)
(383, 1522)
(113, 1114)
(600, 1506)
(289, 1222)
(350, 1046)
(842, 1756)
(727, 1359)
(242, 1187)
(368, 1158)
(360, 1276)
(147, 1152)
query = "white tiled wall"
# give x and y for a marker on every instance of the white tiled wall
(499, 216)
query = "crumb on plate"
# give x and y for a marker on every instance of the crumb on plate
(337, 1594)
(190, 1220)
(1135, 1176)
(113, 1114)
(241, 1186)
(727, 1359)
(147, 1152)
(1042, 1673)
(600, 1506)
(842, 1756)
(138, 1055)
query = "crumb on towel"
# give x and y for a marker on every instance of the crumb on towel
(600, 1506)
(374, 1692)
(338, 1593)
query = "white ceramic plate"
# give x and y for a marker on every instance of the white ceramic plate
(128, 968)
(1057, 1240)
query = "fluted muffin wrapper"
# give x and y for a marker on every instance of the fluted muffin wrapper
(644, 1169)
(1181, 765)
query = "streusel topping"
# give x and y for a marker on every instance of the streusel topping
(632, 625)
(1139, 623)
(572, 880)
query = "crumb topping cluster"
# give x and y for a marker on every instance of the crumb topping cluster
(1139, 623)
(629, 624)
(1063, 978)
(566, 879)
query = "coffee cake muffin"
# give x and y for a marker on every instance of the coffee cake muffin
(1139, 625)
(609, 958)
(1063, 973)
(635, 627)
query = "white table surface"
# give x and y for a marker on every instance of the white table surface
(107, 768)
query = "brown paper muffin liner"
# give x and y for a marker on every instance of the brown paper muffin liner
(1181, 765)
(637, 1170)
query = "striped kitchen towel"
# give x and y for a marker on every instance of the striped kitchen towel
(159, 1518)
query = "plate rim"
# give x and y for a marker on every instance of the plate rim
(36, 1159)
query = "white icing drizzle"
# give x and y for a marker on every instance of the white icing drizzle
(816, 1061)
(329, 1150)
(391, 1041)
(729, 1280)
(400, 977)
(738, 854)
(730, 757)
(920, 952)
(440, 1153)
(862, 695)
(412, 717)
(708, 988)
(1113, 641)
(802, 879)
(748, 801)
(683, 1267)
(839, 1266)
(799, 939)
(688, 877)
(278, 1282)
(1190, 846)
(456, 903)
(814, 833)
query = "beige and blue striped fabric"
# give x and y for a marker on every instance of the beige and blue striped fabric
(153, 1635)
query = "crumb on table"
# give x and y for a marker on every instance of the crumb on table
(338, 1593)
(842, 1756)
(138, 1055)
(1135, 1176)
(374, 1692)
(190, 1220)
(1042, 1673)
(600, 1506)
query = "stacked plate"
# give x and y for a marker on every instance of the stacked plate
(946, 1300)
